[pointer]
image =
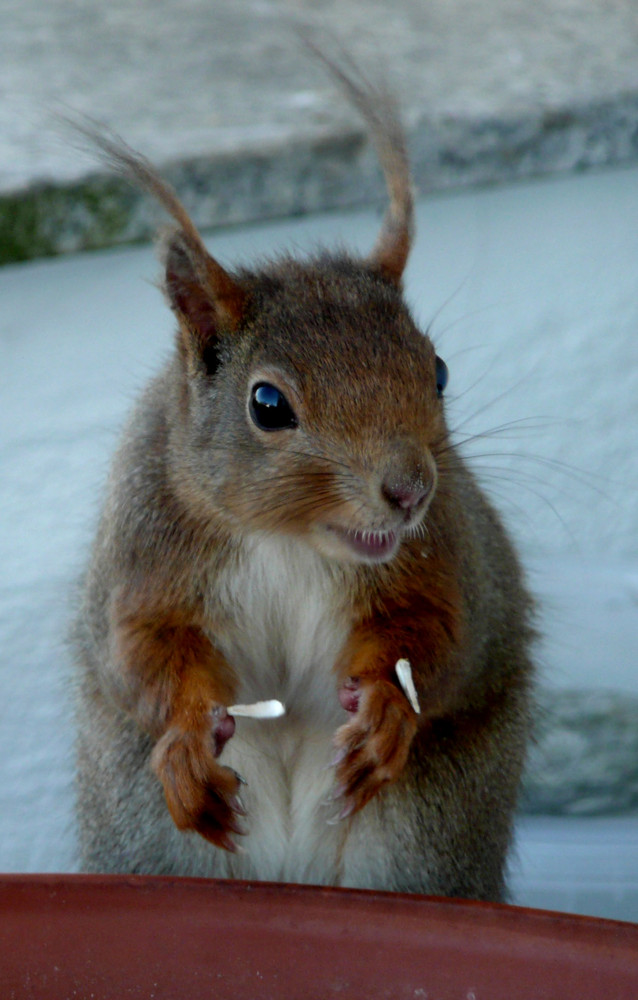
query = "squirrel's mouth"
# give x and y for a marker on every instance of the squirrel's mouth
(372, 546)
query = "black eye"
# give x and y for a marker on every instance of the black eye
(270, 409)
(441, 376)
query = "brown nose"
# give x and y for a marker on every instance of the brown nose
(409, 478)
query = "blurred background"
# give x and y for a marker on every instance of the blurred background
(523, 129)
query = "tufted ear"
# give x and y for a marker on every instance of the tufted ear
(390, 254)
(380, 112)
(206, 300)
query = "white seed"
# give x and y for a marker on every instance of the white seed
(404, 673)
(259, 710)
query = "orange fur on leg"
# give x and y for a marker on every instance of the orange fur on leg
(177, 686)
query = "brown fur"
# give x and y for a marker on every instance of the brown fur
(198, 490)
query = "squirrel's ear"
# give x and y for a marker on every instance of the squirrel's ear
(206, 300)
(390, 255)
(392, 249)
(381, 113)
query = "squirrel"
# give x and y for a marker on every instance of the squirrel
(287, 517)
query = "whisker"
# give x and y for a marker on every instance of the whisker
(458, 321)
(446, 302)
(521, 424)
(572, 472)
(492, 402)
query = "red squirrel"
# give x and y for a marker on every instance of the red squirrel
(286, 517)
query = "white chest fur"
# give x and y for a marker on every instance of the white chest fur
(285, 623)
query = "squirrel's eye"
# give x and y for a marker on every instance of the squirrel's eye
(441, 376)
(269, 408)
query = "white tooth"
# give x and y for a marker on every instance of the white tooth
(404, 673)
(259, 710)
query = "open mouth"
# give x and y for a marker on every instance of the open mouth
(376, 546)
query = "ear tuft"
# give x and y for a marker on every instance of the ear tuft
(380, 112)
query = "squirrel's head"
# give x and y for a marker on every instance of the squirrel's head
(308, 401)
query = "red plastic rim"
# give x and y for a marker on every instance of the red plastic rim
(114, 937)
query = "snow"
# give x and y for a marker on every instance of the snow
(531, 292)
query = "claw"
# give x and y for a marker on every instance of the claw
(236, 827)
(237, 805)
(340, 755)
(347, 810)
(229, 845)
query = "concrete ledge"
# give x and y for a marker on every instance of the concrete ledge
(331, 170)
(224, 100)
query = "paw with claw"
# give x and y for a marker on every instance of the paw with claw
(373, 747)
(201, 794)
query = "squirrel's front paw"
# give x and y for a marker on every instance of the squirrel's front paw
(373, 747)
(201, 794)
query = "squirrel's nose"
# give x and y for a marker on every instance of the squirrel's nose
(404, 495)
(408, 479)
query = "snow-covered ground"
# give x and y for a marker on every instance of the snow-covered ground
(532, 293)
